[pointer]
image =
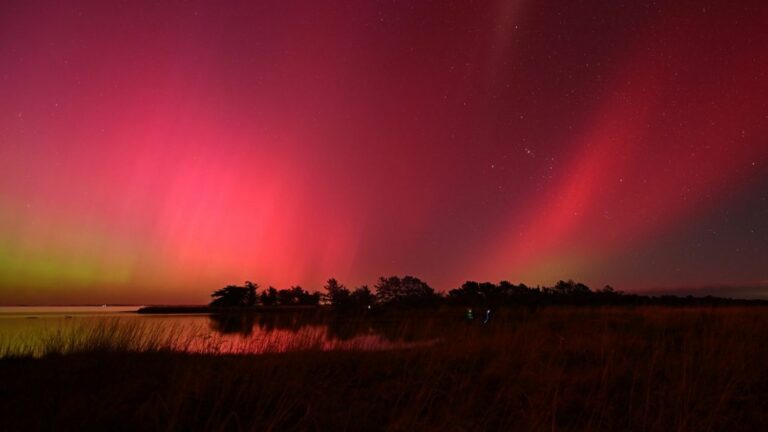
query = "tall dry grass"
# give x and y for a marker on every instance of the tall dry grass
(649, 369)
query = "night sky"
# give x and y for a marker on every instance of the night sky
(155, 151)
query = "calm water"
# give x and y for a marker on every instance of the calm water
(37, 330)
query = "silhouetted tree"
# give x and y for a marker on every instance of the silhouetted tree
(336, 294)
(285, 297)
(303, 297)
(251, 298)
(511, 291)
(406, 291)
(231, 295)
(297, 296)
(491, 294)
(362, 297)
(485, 293)
(467, 294)
(570, 288)
(269, 297)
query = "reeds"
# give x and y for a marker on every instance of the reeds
(108, 335)
(595, 369)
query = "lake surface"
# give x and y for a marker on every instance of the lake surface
(40, 330)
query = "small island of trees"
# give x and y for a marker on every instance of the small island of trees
(412, 292)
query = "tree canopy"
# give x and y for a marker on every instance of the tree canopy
(233, 295)
(410, 291)
(406, 291)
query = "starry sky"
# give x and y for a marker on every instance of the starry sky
(154, 151)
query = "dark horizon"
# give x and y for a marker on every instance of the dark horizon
(754, 291)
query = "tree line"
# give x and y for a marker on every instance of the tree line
(410, 291)
(393, 290)
(247, 295)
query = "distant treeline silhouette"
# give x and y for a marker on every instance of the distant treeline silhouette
(410, 291)
(247, 295)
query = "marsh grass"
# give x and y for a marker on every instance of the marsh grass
(85, 336)
(651, 368)
(105, 335)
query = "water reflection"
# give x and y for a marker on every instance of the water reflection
(294, 322)
(306, 330)
(264, 332)
(338, 328)
(233, 323)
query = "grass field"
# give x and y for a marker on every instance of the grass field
(607, 369)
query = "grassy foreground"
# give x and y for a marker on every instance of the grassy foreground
(653, 368)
